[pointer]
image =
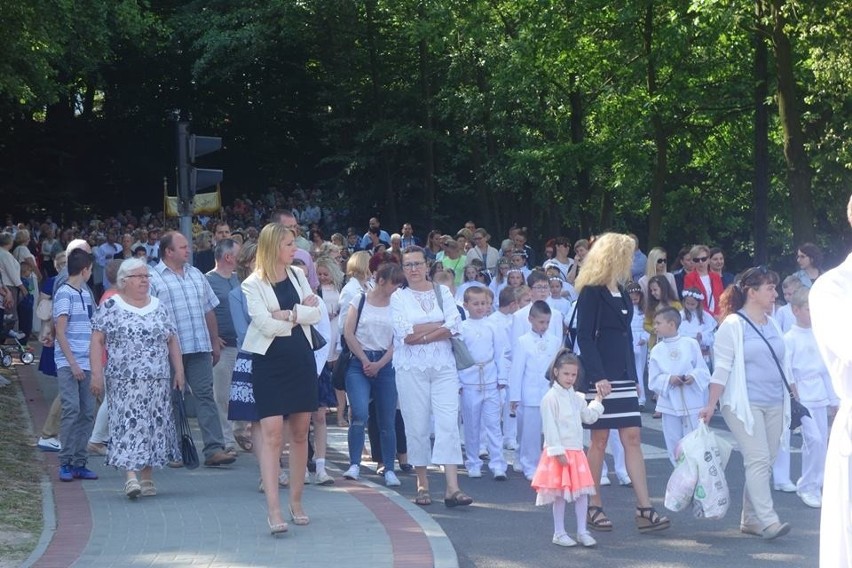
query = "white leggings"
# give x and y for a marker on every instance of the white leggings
(581, 505)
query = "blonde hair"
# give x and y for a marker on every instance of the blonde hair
(247, 254)
(608, 260)
(333, 268)
(654, 254)
(266, 260)
(358, 265)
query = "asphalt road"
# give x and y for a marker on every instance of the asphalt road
(504, 529)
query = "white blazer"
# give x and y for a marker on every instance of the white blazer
(261, 301)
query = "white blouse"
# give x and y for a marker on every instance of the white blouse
(375, 331)
(409, 308)
(563, 413)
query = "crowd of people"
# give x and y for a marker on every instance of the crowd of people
(529, 348)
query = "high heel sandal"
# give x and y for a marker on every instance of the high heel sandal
(299, 520)
(277, 528)
(649, 520)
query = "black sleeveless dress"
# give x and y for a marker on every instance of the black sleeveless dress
(285, 378)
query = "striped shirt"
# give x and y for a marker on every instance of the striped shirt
(187, 298)
(77, 306)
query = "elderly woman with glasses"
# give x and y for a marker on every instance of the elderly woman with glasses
(141, 339)
(424, 318)
(708, 283)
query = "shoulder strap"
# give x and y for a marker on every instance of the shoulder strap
(438, 295)
(360, 309)
(771, 350)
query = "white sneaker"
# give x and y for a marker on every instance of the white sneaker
(623, 480)
(16, 334)
(563, 540)
(586, 540)
(605, 481)
(474, 473)
(323, 478)
(283, 479)
(49, 444)
(786, 487)
(353, 473)
(811, 499)
(391, 480)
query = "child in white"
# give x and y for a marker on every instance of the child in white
(527, 384)
(480, 385)
(563, 473)
(640, 337)
(501, 319)
(813, 384)
(680, 377)
(696, 322)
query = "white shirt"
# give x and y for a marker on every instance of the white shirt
(531, 356)
(487, 345)
(409, 308)
(375, 331)
(678, 356)
(809, 371)
(521, 325)
(691, 328)
(563, 413)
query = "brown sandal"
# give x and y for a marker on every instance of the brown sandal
(457, 499)
(597, 519)
(423, 498)
(649, 520)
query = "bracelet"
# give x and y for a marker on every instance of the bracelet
(423, 338)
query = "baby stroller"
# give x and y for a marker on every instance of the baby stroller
(7, 350)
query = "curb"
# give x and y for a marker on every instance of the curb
(49, 524)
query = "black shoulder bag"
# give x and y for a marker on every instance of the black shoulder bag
(797, 410)
(341, 365)
(582, 384)
(188, 452)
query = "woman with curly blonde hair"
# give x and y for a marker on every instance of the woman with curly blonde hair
(605, 337)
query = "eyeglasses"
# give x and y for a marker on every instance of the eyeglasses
(413, 265)
(541, 287)
(662, 260)
(142, 276)
(699, 259)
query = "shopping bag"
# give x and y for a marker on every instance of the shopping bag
(712, 496)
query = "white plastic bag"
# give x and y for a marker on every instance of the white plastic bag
(700, 475)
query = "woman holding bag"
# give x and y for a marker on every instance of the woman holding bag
(426, 375)
(370, 374)
(748, 385)
(282, 308)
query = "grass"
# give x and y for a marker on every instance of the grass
(21, 474)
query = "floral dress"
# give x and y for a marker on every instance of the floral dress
(138, 383)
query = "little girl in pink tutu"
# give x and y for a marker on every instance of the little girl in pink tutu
(563, 473)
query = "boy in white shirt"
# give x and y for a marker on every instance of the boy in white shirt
(481, 383)
(679, 375)
(501, 319)
(528, 383)
(539, 290)
(784, 314)
(813, 385)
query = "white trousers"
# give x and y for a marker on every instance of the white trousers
(640, 358)
(100, 432)
(675, 428)
(222, 373)
(614, 447)
(481, 414)
(510, 423)
(529, 440)
(424, 395)
(814, 447)
(781, 465)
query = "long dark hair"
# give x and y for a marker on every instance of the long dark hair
(734, 297)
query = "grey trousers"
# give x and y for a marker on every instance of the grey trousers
(198, 369)
(77, 419)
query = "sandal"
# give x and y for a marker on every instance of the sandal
(457, 499)
(597, 519)
(423, 498)
(148, 488)
(132, 488)
(649, 520)
(244, 442)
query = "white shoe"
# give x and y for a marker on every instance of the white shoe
(563, 540)
(586, 540)
(49, 444)
(605, 481)
(474, 473)
(391, 480)
(811, 499)
(323, 478)
(624, 481)
(283, 479)
(353, 473)
(786, 487)
(308, 478)
(16, 334)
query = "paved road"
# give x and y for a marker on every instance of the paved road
(505, 530)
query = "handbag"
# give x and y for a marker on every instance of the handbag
(44, 309)
(464, 359)
(317, 340)
(582, 383)
(341, 365)
(188, 452)
(798, 411)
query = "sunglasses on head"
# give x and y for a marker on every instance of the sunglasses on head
(699, 259)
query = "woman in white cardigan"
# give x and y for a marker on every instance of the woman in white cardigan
(747, 384)
(282, 307)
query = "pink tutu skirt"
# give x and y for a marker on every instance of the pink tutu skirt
(552, 479)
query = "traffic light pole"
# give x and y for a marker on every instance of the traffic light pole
(183, 191)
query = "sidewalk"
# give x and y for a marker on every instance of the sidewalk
(216, 517)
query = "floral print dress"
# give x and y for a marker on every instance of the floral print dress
(138, 383)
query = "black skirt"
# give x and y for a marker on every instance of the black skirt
(621, 407)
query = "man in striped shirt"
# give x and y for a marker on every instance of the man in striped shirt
(73, 307)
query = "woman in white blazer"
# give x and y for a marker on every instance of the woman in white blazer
(282, 307)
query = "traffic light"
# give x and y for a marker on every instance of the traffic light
(191, 178)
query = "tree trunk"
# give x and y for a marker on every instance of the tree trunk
(761, 137)
(661, 143)
(798, 169)
(584, 178)
(428, 126)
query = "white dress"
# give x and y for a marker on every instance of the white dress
(831, 311)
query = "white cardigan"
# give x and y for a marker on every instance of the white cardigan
(729, 371)
(563, 413)
(262, 302)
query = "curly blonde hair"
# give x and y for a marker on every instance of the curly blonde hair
(609, 259)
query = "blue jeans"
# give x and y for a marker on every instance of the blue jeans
(382, 390)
